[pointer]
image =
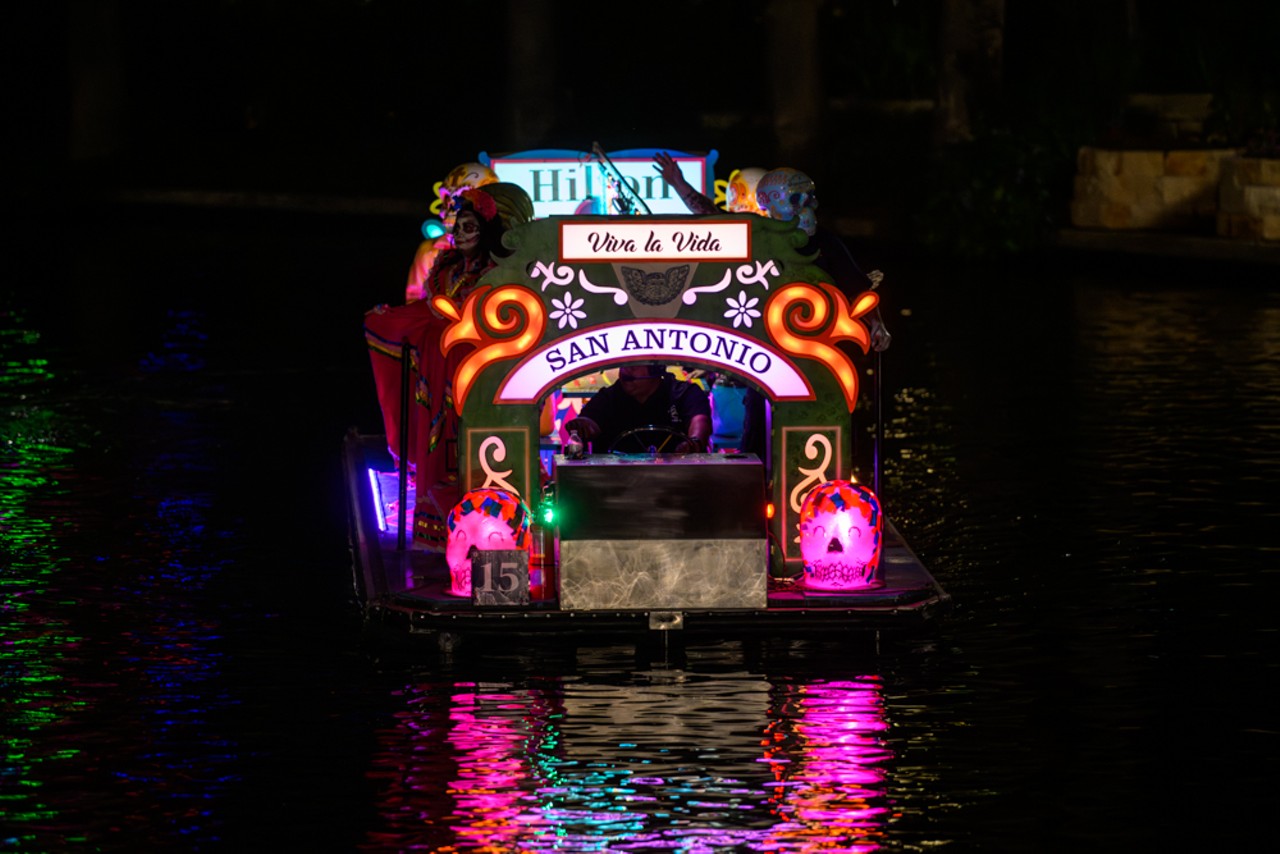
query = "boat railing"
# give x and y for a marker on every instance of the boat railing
(403, 462)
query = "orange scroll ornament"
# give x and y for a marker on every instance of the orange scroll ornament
(807, 320)
(501, 323)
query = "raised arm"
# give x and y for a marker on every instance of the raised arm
(696, 202)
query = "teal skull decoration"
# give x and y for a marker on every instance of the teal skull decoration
(789, 195)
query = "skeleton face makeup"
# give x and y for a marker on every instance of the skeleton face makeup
(466, 233)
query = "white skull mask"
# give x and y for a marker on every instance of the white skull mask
(789, 195)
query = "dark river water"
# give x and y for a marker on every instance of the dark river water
(1083, 449)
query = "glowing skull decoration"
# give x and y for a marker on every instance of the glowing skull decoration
(789, 194)
(467, 176)
(484, 519)
(841, 531)
(741, 195)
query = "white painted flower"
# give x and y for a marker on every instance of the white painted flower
(742, 309)
(567, 310)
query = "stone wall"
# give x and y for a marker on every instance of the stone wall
(1194, 190)
(1249, 198)
(1153, 190)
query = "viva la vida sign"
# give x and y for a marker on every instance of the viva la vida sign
(654, 240)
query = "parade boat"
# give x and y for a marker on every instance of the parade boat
(601, 544)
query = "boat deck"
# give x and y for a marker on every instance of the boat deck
(406, 589)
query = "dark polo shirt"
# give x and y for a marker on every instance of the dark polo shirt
(673, 404)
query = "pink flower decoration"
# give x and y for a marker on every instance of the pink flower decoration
(482, 202)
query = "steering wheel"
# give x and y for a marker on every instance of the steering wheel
(649, 438)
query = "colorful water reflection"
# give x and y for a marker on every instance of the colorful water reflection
(36, 469)
(105, 662)
(827, 758)
(670, 760)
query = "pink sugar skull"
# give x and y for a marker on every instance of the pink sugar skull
(841, 531)
(484, 519)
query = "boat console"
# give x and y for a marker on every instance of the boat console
(662, 531)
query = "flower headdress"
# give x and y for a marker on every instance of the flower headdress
(481, 202)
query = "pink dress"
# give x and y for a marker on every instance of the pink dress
(432, 450)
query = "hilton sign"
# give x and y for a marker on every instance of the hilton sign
(565, 183)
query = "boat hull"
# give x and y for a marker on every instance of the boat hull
(404, 590)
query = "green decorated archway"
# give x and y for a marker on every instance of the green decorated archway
(725, 293)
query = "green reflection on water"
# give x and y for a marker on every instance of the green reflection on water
(33, 641)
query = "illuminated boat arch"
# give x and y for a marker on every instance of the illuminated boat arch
(723, 292)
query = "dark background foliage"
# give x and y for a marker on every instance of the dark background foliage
(382, 97)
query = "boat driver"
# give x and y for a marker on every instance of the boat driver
(645, 395)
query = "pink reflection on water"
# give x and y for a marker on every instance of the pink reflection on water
(585, 767)
(827, 754)
(492, 807)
